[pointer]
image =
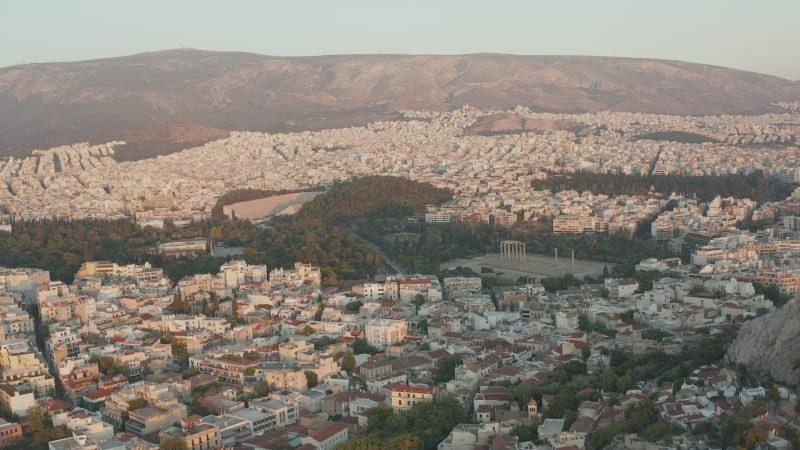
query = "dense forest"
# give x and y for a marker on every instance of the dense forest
(319, 233)
(375, 196)
(755, 186)
(61, 246)
(684, 137)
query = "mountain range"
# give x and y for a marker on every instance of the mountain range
(164, 101)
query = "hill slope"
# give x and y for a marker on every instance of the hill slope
(767, 345)
(44, 105)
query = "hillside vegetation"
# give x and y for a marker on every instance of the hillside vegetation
(755, 186)
(684, 137)
(313, 236)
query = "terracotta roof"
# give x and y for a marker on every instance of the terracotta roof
(508, 370)
(411, 389)
(415, 281)
(327, 431)
(352, 395)
(98, 393)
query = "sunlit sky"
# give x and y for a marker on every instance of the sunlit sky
(761, 36)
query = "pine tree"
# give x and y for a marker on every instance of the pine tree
(348, 361)
(178, 305)
(234, 311)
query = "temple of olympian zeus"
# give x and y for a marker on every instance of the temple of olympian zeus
(512, 251)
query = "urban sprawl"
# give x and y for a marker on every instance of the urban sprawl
(259, 357)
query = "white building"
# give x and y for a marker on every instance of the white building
(383, 332)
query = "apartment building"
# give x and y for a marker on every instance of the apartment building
(383, 332)
(10, 433)
(151, 419)
(229, 369)
(232, 429)
(327, 437)
(195, 433)
(405, 397)
(571, 224)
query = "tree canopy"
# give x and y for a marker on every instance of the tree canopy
(423, 426)
(756, 185)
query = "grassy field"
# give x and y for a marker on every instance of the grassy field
(537, 266)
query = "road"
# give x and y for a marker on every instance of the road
(388, 265)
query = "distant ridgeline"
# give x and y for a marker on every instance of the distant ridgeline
(311, 236)
(755, 186)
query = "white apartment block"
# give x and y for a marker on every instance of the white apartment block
(383, 332)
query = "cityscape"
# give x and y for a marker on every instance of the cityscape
(395, 239)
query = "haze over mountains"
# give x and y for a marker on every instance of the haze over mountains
(165, 101)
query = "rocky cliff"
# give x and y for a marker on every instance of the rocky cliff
(770, 344)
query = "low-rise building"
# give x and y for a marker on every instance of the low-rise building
(327, 437)
(151, 419)
(405, 397)
(10, 433)
(195, 433)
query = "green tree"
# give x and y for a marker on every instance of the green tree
(447, 368)
(37, 419)
(179, 306)
(348, 361)
(137, 403)
(44, 437)
(320, 310)
(584, 324)
(360, 346)
(418, 301)
(627, 316)
(609, 381)
(234, 311)
(405, 441)
(264, 389)
(173, 443)
(423, 326)
(641, 414)
(527, 432)
(354, 306)
(624, 383)
(311, 378)
(520, 393)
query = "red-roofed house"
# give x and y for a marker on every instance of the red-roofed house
(404, 397)
(328, 436)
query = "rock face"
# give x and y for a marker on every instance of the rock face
(769, 344)
(46, 105)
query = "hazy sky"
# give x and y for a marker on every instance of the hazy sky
(762, 36)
